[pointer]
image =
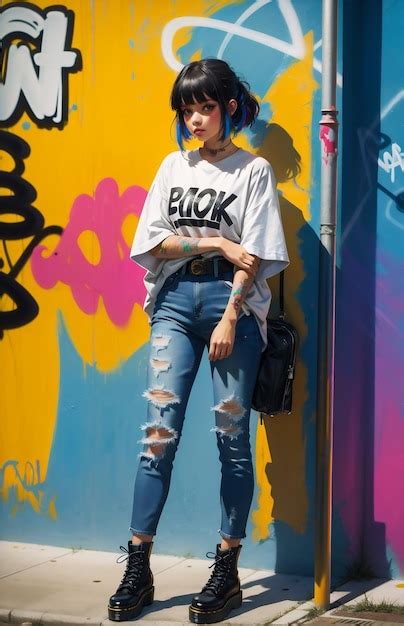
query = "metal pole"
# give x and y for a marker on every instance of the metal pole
(326, 320)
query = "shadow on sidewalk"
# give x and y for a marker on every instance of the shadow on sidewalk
(274, 589)
(275, 592)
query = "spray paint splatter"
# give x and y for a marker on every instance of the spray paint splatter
(327, 138)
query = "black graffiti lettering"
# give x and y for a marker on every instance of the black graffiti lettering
(175, 195)
(202, 212)
(19, 203)
(26, 308)
(219, 209)
(189, 196)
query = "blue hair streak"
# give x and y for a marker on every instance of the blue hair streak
(227, 125)
(182, 133)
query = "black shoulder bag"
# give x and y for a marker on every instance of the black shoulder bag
(274, 386)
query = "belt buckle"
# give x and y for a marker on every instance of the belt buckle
(197, 267)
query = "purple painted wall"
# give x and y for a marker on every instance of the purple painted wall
(369, 419)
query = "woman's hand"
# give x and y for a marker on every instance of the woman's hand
(222, 339)
(236, 254)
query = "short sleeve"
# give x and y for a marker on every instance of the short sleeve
(153, 226)
(262, 231)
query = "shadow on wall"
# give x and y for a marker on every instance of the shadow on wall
(290, 438)
(277, 147)
(286, 471)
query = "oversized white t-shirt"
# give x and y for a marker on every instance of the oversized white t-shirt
(235, 198)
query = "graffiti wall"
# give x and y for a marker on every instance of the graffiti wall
(369, 459)
(85, 122)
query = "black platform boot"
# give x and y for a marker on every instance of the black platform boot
(136, 589)
(221, 593)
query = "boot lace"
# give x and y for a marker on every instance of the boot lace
(221, 568)
(134, 568)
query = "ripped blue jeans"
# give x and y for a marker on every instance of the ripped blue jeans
(185, 314)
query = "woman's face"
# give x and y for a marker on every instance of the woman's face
(203, 119)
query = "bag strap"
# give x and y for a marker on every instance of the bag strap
(281, 295)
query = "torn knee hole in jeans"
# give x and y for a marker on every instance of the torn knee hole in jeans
(160, 365)
(230, 412)
(232, 431)
(160, 397)
(157, 437)
(231, 407)
(160, 341)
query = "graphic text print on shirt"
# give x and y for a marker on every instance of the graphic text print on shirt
(193, 206)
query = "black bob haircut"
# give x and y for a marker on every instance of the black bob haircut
(215, 80)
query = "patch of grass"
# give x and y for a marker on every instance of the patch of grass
(314, 612)
(385, 606)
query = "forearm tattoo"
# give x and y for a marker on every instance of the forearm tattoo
(238, 293)
(189, 244)
(174, 248)
(163, 249)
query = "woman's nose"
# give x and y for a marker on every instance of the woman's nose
(196, 119)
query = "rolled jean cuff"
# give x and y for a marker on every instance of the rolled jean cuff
(227, 536)
(134, 531)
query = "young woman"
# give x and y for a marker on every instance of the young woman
(209, 235)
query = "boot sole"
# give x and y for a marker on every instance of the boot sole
(131, 612)
(211, 617)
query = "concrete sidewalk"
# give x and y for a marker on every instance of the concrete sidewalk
(345, 597)
(50, 585)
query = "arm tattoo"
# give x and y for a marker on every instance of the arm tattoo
(238, 294)
(241, 286)
(173, 248)
(189, 244)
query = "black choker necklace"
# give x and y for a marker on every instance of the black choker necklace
(214, 151)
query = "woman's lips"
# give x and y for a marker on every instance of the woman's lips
(198, 131)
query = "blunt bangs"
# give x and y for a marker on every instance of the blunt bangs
(191, 88)
(212, 79)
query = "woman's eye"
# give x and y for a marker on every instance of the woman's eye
(209, 107)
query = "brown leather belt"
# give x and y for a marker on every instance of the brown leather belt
(204, 267)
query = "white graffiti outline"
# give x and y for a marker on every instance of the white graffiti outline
(362, 141)
(243, 17)
(295, 49)
(392, 160)
(318, 44)
(390, 105)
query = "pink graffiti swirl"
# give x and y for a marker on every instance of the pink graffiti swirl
(115, 278)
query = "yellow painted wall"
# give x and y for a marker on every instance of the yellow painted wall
(105, 157)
